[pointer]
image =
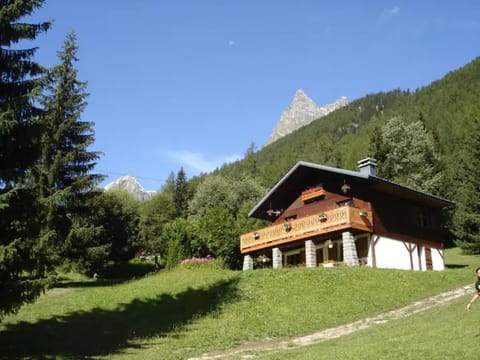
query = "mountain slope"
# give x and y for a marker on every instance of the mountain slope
(446, 107)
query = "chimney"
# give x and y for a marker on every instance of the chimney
(367, 166)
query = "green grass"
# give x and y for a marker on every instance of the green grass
(188, 311)
(446, 332)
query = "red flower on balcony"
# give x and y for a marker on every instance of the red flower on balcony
(312, 189)
(313, 193)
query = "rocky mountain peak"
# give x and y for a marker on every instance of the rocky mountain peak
(301, 112)
(131, 185)
(300, 96)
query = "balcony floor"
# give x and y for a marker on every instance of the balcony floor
(341, 219)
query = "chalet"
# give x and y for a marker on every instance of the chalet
(325, 216)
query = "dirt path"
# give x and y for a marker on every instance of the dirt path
(248, 350)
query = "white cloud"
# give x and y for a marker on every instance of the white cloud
(388, 14)
(199, 162)
(393, 11)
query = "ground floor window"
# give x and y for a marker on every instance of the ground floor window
(335, 251)
(295, 258)
(329, 251)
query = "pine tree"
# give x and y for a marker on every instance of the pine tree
(19, 150)
(466, 219)
(18, 84)
(181, 195)
(169, 186)
(377, 148)
(63, 176)
(105, 234)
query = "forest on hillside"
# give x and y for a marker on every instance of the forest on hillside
(54, 218)
(426, 139)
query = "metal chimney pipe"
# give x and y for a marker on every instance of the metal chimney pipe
(367, 166)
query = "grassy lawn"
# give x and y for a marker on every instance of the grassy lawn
(185, 312)
(446, 332)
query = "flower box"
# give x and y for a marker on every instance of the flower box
(311, 194)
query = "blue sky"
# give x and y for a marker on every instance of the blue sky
(193, 83)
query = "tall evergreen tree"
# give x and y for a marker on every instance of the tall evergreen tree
(19, 149)
(105, 234)
(63, 175)
(466, 219)
(377, 147)
(181, 194)
(18, 84)
(169, 186)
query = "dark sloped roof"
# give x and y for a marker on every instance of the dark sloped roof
(303, 173)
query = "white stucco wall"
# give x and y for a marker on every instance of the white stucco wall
(437, 259)
(393, 254)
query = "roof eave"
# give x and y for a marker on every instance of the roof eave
(440, 202)
(306, 164)
(435, 198)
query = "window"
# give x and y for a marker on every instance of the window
(348, 202)
(294, 258)
(422, 218)
(335, 253)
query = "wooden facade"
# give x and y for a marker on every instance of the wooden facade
(325, 222)
(335, 210)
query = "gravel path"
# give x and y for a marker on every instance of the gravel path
(274, 345)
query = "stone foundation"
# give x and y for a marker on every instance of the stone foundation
(247, 263)
(350, 256)
(310, 254)
(277, 258)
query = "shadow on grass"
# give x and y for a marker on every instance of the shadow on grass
(93, 283)
(112, 275)
(101, 332)
(455, 266)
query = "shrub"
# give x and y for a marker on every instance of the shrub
(207, 262)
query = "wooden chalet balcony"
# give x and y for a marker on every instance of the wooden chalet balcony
(343, 218)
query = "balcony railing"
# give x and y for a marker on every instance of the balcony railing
(346, 217)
